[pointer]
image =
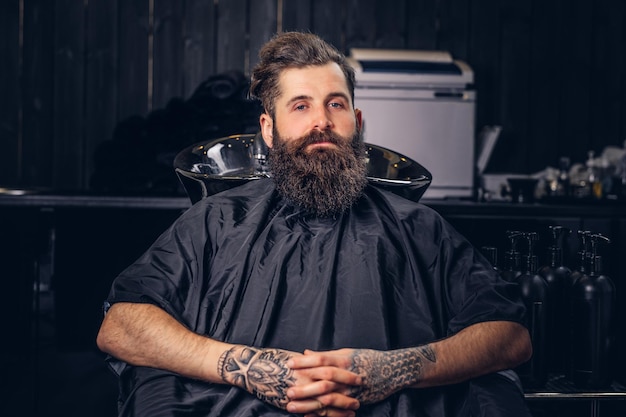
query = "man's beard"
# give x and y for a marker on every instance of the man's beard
(323, 180)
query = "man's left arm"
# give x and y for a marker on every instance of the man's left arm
(477, 350)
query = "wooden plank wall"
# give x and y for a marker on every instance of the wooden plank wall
(551, 72)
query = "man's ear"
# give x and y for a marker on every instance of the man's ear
(267, 129)
(359, 119)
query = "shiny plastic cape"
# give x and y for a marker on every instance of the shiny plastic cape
(245, 266)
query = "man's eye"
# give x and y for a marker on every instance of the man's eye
(301, 107)
(336, 105)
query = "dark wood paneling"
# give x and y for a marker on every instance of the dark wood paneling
(360, 26)
(328, 21)
(69, 94)
(167, 52)
(545, 73)
(391, 25)
(10, 157)
(421, 24)
(454, 25)
(515, 85)
(38, 163)
(608, 73)
(232, 24)
(575, 34)
(199, 44)
(263, 25)
(484, 55)
(101, 82)
(297, 15)
(553, 74)
(134, 28)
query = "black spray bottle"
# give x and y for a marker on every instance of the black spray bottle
(534, 290)
(491, 253)
(583, 254)
(557, 276)
(578, 271)
(593, 314)
(512, 257)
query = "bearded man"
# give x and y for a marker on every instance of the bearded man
(313, 293)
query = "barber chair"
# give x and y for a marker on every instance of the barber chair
(209, 167)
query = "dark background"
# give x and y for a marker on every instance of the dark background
(551, 72)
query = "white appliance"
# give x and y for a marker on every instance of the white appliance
(420, 104)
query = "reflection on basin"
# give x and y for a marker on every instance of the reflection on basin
(17, 191)
(209, 167)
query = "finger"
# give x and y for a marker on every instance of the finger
(333, 400)
(310, 405)
(313, 382)
(311, 358)
(306, 361)
(344, 351)
(317, 360)
(332, 412)
(313, 389)
(339, 401)
(330, 373)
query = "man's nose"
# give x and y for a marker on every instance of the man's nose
(322, 119)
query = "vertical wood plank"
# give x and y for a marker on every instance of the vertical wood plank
(608, 74)
(232, 46)
(168, 52)
(545, 74)
(133, 58)
(297, 15)
(421, 24)
(199, 32)
(454, 26)
(101, 88)
(360, 24)
(329, 21)
(574, 52)
(514, 88)
(38, 80)
(263, 25)
(483, 57)
(622, 89)
(69, 94)
(391, 27)
(10, 136)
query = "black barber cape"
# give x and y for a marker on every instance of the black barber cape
(247, 267)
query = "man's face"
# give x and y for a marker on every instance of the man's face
(311, 99)
(317, 156)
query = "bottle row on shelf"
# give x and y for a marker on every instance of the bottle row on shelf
(571, 313)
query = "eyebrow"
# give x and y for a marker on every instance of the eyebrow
(329, 96)
(298, 98)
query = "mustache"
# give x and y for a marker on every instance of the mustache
(316, 136)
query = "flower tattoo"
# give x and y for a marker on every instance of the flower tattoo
(262, 372)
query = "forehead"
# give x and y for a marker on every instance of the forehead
(312, 81)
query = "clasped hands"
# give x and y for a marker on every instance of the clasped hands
(333, 383)
(324, 385)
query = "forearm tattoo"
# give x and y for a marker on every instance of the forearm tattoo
(387, 372)
(262, 372)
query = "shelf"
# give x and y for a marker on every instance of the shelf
(559, 387)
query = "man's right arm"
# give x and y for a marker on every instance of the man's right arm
(146, 335)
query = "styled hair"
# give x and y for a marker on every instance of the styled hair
(292, 50)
